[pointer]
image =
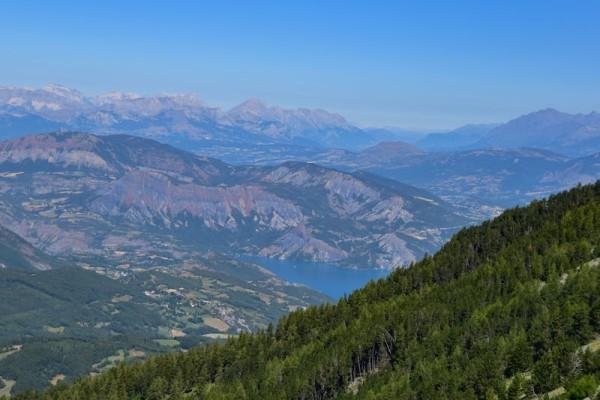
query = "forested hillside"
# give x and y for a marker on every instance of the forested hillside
(507, 309)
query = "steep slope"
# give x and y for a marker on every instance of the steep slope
(81, 194)
(504, 310)
(52, 102)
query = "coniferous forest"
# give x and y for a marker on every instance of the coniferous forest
(509, 309)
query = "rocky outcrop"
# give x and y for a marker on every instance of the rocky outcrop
(145, 196)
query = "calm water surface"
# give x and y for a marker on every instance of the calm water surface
(326, 278)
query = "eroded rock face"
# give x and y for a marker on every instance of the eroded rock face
(144, 196)
(389, 210)
(394, 250)
(345, 194)
(73, 193)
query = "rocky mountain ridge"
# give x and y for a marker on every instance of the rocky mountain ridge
(173, 117)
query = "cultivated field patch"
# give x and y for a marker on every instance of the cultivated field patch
(216, 323)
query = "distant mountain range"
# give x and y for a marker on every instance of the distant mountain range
(549, 129)
(256, 129)
(70, 193)
(175, 119)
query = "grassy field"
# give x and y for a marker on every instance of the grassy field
(216, 324)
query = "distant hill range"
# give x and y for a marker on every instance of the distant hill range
(474, 178)
(481, 182)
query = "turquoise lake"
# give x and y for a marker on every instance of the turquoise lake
(329, 279)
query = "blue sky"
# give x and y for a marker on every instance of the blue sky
(425, 65)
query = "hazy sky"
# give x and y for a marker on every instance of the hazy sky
(425, 65)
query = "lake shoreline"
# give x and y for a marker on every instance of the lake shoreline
(328, 278)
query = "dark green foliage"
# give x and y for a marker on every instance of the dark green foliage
(43, 358)
(519, 355)
(32, 301)
(515, 390)
(583, 387)
(515, 294)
